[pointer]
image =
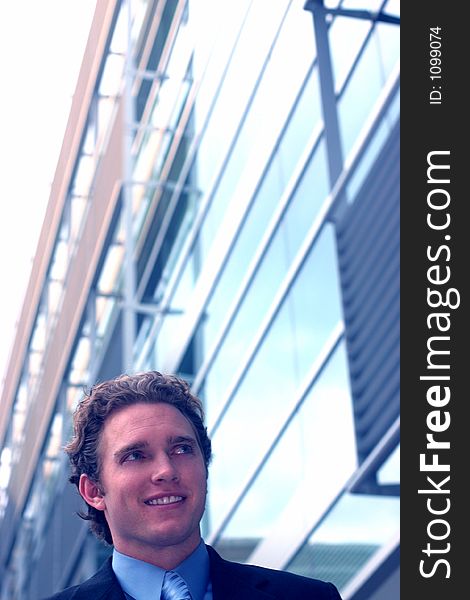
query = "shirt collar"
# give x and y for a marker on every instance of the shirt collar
(143, 581)
(195, 571)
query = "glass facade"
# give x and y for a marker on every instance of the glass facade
(232, 216)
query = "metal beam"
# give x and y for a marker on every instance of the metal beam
(368, 15)
(327, 90)
(129, 327)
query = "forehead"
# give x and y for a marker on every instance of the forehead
(144, 421)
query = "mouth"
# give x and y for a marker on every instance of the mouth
(164, 500)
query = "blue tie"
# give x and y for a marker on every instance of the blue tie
(174, 587)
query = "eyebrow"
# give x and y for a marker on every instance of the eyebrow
(139, 445)
(130, 448)
(182, 438)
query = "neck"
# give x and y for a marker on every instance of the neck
(165, 557)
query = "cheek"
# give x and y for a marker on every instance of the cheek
(201, 482)
(122, 485)
(195, 476)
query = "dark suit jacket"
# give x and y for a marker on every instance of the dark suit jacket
(230, 581)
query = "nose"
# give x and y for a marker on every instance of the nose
(163, 469)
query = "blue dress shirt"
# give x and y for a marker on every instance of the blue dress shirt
(142, 581)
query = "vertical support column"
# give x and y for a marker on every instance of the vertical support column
(128, 315)
(327, 89)
(91, 315)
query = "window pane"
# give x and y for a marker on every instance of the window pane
(305, 321)
(307, 453)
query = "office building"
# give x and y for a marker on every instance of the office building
(225, 207)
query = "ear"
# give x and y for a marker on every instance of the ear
(91, 492)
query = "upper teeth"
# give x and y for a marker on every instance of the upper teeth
(164, 500)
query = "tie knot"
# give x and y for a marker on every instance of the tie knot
(174, 587)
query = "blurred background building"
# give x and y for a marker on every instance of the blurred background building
(226, 207)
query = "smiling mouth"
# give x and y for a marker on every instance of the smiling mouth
(164, 500)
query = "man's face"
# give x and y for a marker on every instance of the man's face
(153, 481)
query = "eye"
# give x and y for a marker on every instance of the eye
(133, 456)
(183, 449)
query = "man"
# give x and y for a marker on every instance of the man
(139, 457)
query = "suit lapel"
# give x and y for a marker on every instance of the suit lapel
(231, 582)
(103, 585)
